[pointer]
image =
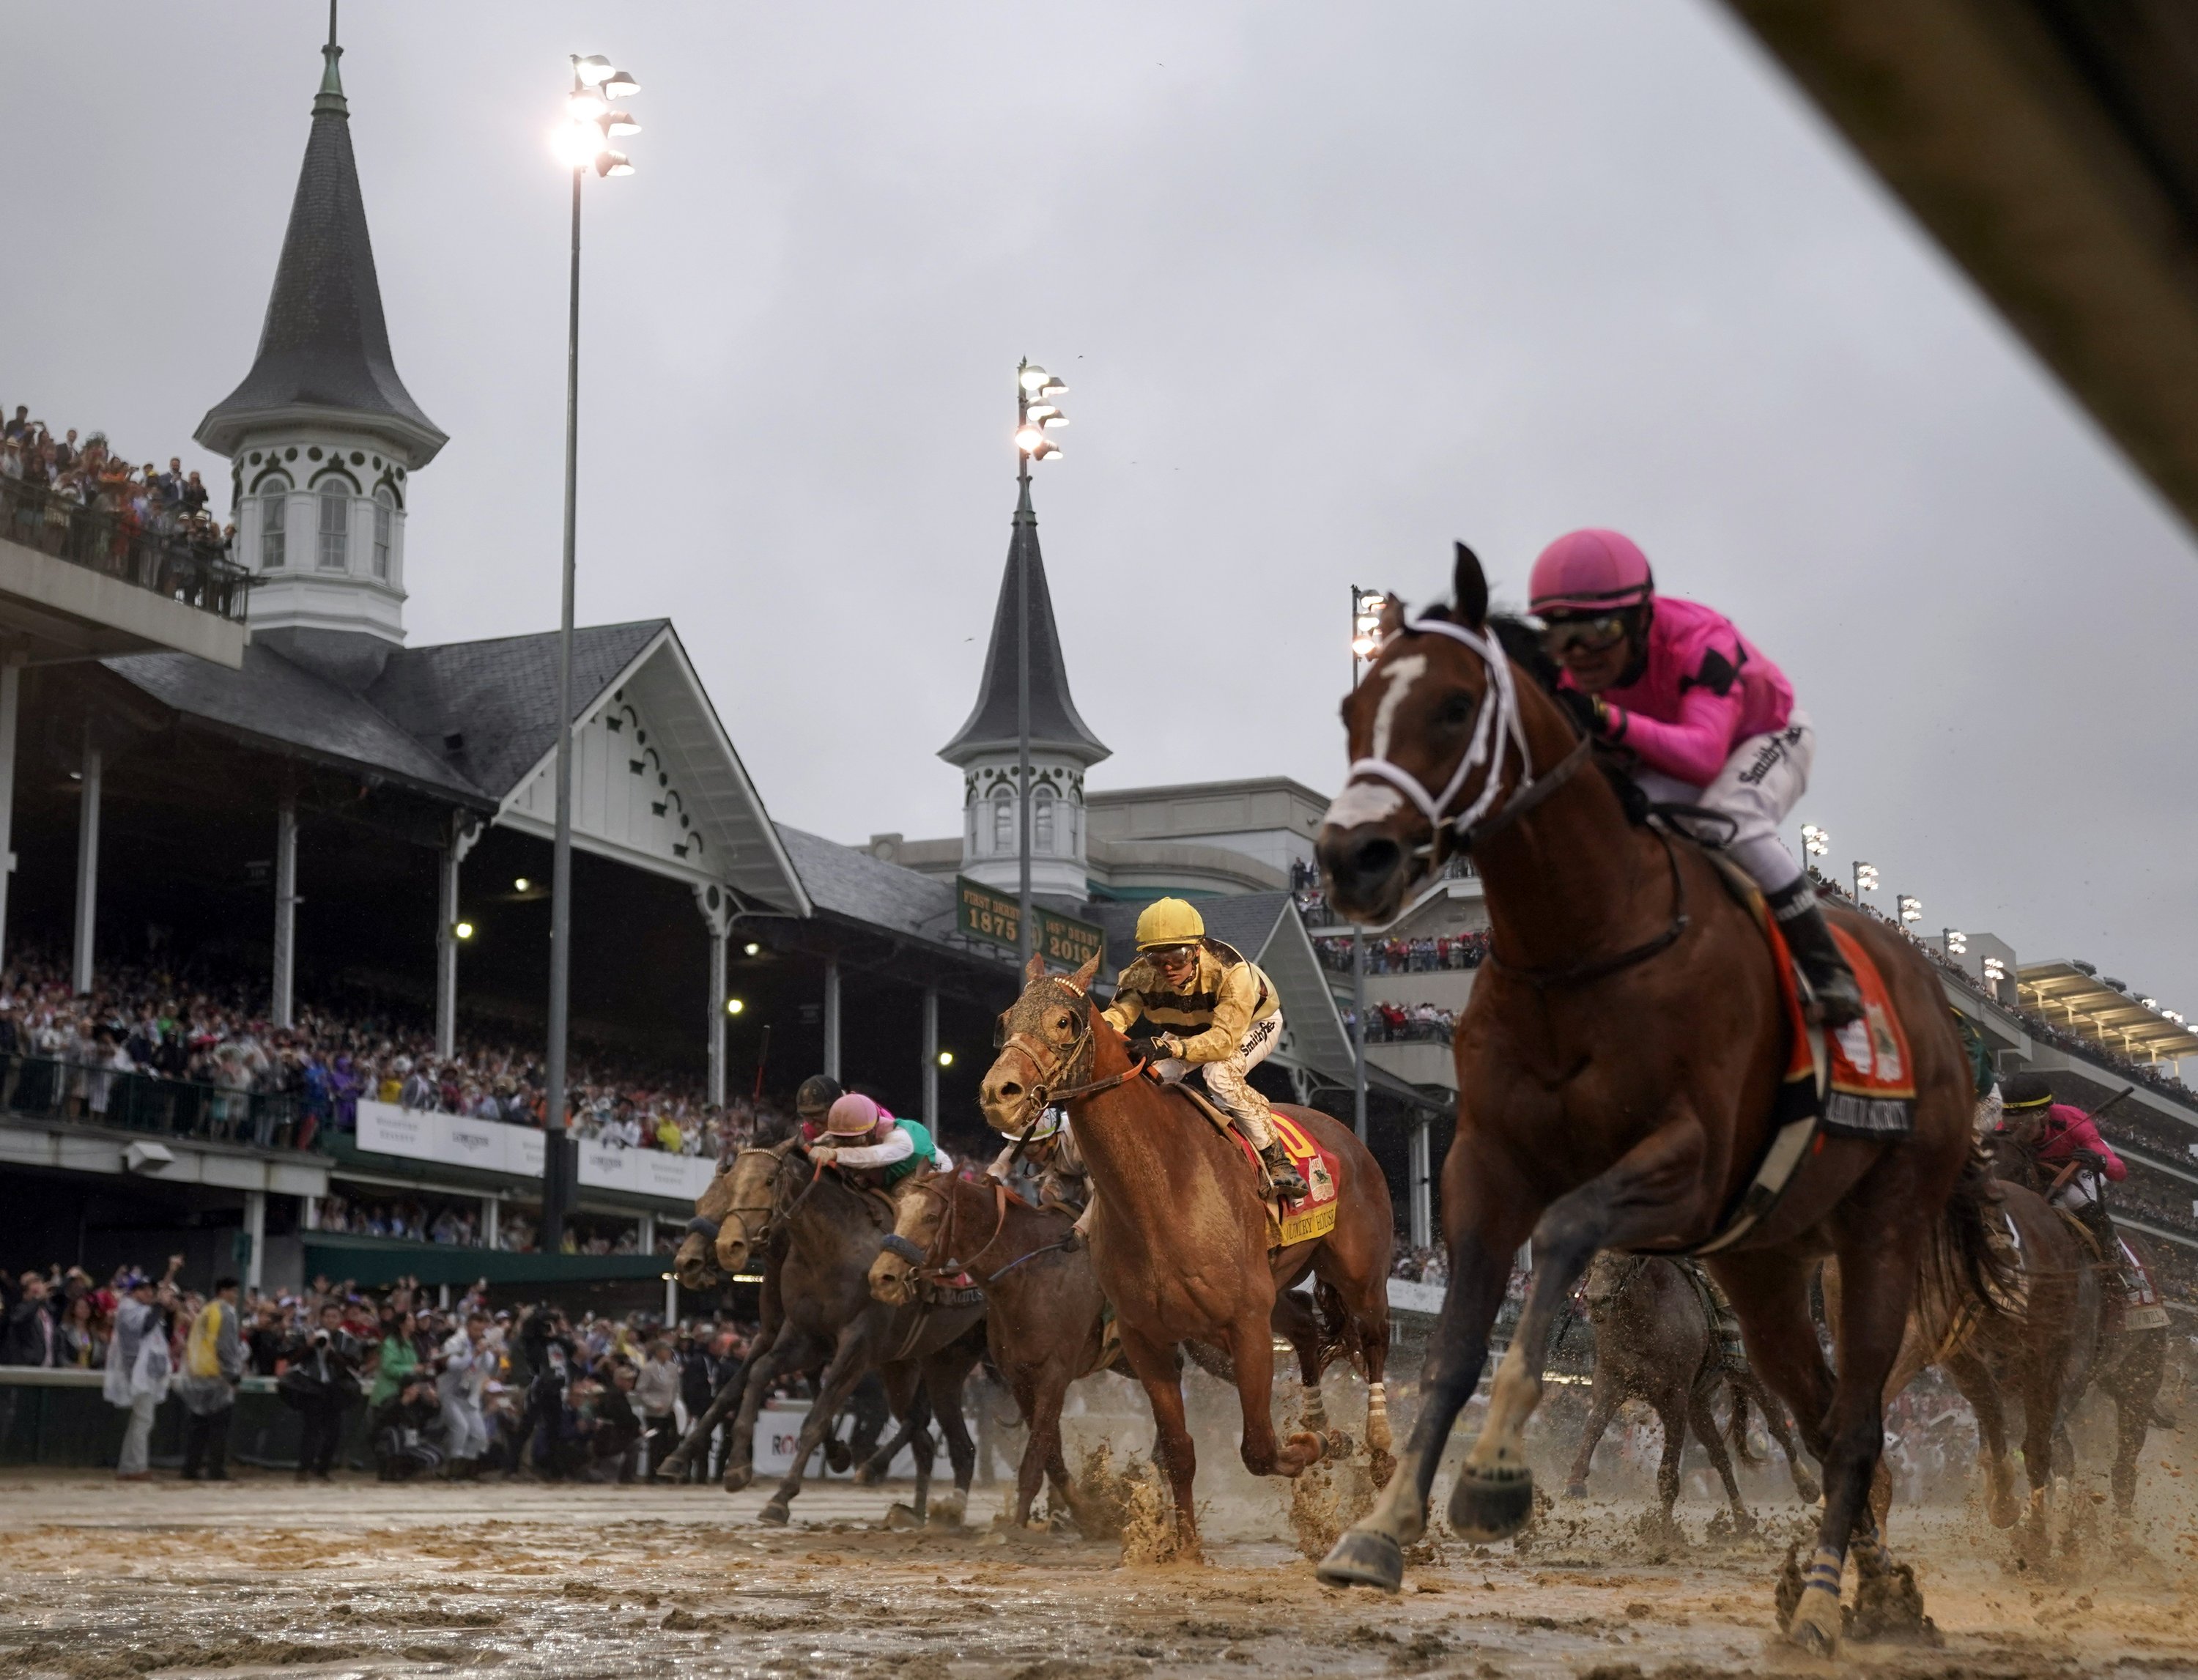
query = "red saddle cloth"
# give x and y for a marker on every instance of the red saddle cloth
(1871, 1088)
(1315, 1216)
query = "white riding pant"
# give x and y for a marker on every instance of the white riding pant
(1232, 1093)
(2081, 1190)
(1760, 784)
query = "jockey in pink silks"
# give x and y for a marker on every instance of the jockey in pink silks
(1710, 721)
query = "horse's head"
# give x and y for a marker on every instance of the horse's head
(695, 1264)
(1431, 728)
(920, 1208)
(752, 1186)
(2013, 1146)
(1046, 1041)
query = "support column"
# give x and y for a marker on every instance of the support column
(931, 1059)
(11, 688)
(832, 1020)
(308, 1214)
(1422, 1177)
(87, 866)
(716, 904)
(464, 832)
(647, 1235)
(490, 1234)
(286, 911)
(255, 1232)
(1358, 1031)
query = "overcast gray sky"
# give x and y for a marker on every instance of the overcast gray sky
(1332, 285)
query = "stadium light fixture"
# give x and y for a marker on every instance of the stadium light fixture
(1911, 909)
(461, 930)
(1995, 969)
(1865, 880)
(521, 884)
(946, 1058)
(1036, 409)
(734, 1006)
(1815, 842)
(751, 948)
(1958, 942)
(1032, 378)
(1367, 606)
(581, 143)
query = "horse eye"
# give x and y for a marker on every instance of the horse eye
(1457, 710)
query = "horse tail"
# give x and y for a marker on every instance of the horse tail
(1214, 1361)
(1963, 1263)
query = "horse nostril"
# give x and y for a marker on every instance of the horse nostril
(1372, 859)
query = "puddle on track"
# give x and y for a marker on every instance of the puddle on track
(262, 1576)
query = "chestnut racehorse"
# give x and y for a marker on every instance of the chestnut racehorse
(1179, 1234)
(1616, 1069)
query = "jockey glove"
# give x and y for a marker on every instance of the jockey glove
(1161, 1046)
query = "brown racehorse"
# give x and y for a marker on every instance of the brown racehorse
(1044, 1310)
(2131, 1363)
(1179, 1234)
(1616, 1072)
(1655, 1342)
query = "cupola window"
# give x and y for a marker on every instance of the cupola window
(335, 526)
(274, 523)
(385, 522)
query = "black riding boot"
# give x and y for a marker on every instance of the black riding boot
(1287, 1184)
(2093, 1218)
(1801, 919)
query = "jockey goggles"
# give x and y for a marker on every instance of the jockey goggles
(1591, 633)
(1168, 956)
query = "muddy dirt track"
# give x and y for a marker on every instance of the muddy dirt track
(264, 1575)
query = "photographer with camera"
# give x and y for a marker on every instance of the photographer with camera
(321, 1384)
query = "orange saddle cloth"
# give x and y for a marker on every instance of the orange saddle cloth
(1869, 1090)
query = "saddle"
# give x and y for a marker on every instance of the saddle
(1288, 1222)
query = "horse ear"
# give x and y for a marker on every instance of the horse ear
(1034, 970)
(1082, 978)
(1470, 585)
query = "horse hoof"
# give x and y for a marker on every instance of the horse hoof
(838, 1458)
(776, 1513)
(1809, 1492)
(1364, 1558)
(901, 1518)
(1575, 1490)
(946, 1514)
(1491, 1505)
(1335, 1444)
(1380, 1465)
(739, 1477)
(1815, 1629)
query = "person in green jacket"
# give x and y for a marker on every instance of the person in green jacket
(859, 1136)
(398, 1359)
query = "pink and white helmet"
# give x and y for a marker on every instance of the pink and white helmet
(1591, 571)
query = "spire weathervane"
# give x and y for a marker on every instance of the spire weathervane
(331, 95)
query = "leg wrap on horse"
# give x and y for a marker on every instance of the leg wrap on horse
(1377, 1417)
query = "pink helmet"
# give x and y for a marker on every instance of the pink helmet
(1591, 571)
(854, 1115)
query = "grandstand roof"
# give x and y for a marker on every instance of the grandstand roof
(1056, 724)
(849, 883)
(324, 351)
(2069, 996)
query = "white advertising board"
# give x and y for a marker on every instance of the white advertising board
(457, 1140)
(778, 1431)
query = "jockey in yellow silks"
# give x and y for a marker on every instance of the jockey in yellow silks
(1200, 1008)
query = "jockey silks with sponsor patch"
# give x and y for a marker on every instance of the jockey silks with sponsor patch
(1202, 1006)
(1709, 720)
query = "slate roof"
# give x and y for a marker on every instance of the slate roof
(850, 883)
(1055, 722)
(324, 347)
(273, 700)
(500, 695)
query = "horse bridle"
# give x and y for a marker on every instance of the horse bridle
(1499, 726)
(1075, 1060)
(937, 1271)
(703, 1226)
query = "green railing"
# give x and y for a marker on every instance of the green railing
(64, 1090)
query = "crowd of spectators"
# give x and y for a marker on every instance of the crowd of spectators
(146, 1047)
(52, 481)
(1404, 1023)
(456, 1390)
(1425, 954)
(1420, 1266)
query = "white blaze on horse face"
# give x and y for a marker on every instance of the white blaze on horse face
(1367, 801)
(1401, 675)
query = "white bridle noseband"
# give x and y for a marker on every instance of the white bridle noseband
(1498, 724)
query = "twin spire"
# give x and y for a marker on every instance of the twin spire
(324, 354)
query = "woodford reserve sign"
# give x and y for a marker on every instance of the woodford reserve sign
(996, 918)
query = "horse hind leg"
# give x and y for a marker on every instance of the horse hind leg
(1295, 1322)
(1672, 1413)
(1774, 1420)
(1602, 1406)
(1703, 1420)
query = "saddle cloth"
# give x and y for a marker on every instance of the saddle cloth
(1869, 1090)
(2141, 1308)
(1288, 1221)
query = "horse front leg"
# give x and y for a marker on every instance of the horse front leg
(1252, 1356)
(762, 1371)
(1602, 1407)
(1371, 1552)
(1702, 1417)
(946, 1376)
(1650, 1192)
(1155, 1367)
(1774, 1420)
(848, 1359)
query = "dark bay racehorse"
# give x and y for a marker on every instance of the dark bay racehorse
(832, 1231)
(1044, 1312)
(1616, 1069)
(2131, 1364)
(1655, 1342)
(1180, 1233)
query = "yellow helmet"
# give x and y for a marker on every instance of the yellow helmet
(1169, 922)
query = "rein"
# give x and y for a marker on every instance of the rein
(1078, 1054)
(938, 1271)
